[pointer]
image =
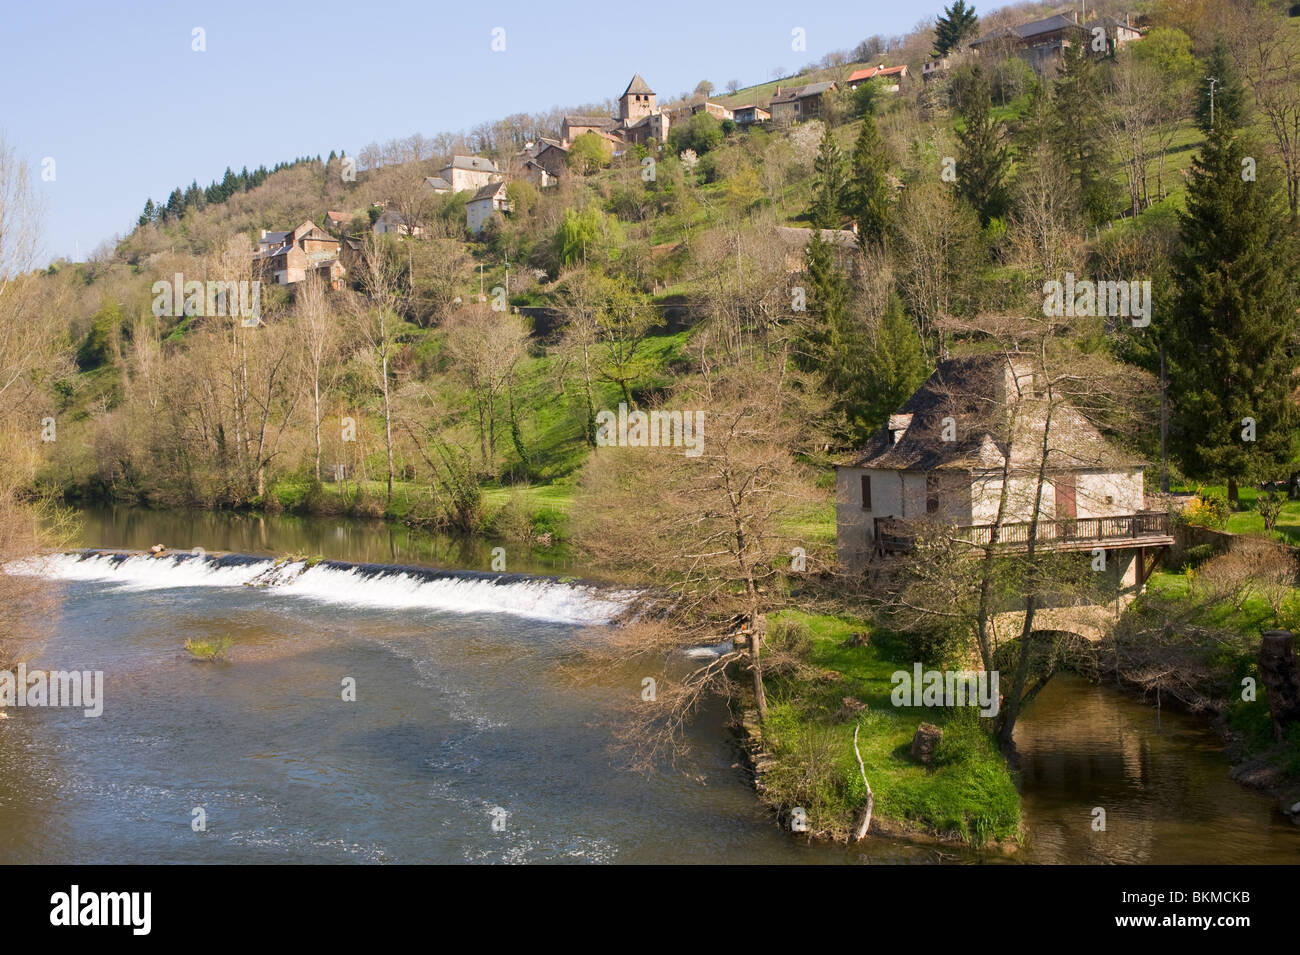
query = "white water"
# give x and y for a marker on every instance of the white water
(537, 598)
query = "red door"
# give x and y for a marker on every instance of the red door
(1065, 504)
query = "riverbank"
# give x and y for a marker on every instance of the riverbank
(1192, 643)
(805, 757)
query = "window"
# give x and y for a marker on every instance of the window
(931, 493)
(866, 492)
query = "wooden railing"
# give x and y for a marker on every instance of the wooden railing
(895, 534)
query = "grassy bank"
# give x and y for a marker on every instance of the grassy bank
(968, 793)
(1213, 645)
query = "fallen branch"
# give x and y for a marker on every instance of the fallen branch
(861, 831)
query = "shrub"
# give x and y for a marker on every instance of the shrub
(790, 636)
(208, 650)
(1207, 509)
(1270, 507)
(1196, 555)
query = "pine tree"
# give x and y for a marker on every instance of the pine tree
(959, 23)
(1229, 94)
(1230, 330)
(1079, 131)
(175, 204)
(829, 194)
(150, 213)
(894, 368)
(828, 306)
(869, 191)
(982, 163)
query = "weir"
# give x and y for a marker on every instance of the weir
(390, 586)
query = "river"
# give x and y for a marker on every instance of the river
(469, 739)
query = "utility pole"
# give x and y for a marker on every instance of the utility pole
(1213, 82)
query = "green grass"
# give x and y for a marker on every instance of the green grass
(1247, 519)
(969, 790)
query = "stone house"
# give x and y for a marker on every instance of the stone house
(716, 110)
(551, 156)
(537, 174)
(486, 203)
(800, 104)
(337, 221)
(654, 126)
(938, 463)
(796, 239)
(469, 173)
(392, 222)
(1042, 43)
(574, 126)
(749, 115)
(286, 258)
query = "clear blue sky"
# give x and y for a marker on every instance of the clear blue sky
(128, 111)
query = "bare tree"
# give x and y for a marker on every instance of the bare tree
(377, 316)
(318, 338)
(1268, 54)
(485, 347)
(713, 527)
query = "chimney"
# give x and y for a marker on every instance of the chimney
(263, 233)
(778, 91)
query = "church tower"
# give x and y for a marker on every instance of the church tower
(637, 101)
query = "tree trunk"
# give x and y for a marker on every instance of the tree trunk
(757, 631)
(1233, 498)
(316, 420)
(388, 428)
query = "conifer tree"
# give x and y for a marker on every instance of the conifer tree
(1079, 132)
(1229, 94)
(1230, 331)
(894, 368)
(958, 24)
(869, 191)
(829, 194)
(982, 163)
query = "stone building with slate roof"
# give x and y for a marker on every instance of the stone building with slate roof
(939, 461)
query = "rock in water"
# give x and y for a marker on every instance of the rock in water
(157, 550)
(923, 743)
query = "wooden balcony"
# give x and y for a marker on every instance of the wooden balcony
(1143, 529)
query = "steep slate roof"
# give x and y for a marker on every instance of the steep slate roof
(797, 235)
(637, 85)
(967, 390)
(1027, 31)
(475, 163)
(812, 89)
(437, 182)
(600, 122)
(489, 191)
